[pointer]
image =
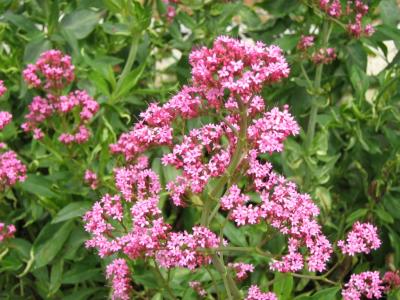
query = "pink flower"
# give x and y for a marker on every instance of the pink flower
(241, 269)
(3, 88)
(182, 251)
(91, 179)
(391, 280)
(12, 170)
(367, 284)
(255, 293)
(118, 272)
(306, 41)
(324, 56)
(331, 7)
(196, 285)
(55, 68)
(361, 239)
(5, 119)
(6, 231)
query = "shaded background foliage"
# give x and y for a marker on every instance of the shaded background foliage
(128, 54)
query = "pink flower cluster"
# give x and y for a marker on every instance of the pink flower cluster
(52, 67)
(201, 156)
(226, 80)
(355, 12)
(361, 239)
(5, 119)
(118, 271)
(255, 293)
(391, 280)
(77, 106)
(305, 42)
(238, 66)
(12, 170)
(293, 214)
(324, 56)
(181, 249)
(6, 231)
(91, 179)
(3, 88)
(331, 7)
(196, 285)
(241, 269)
(356, 27)
(367, 284)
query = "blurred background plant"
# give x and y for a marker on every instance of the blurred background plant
(130, 53)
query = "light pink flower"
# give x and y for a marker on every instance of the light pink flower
(367, 284)
(361, 239)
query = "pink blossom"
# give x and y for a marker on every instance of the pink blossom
(361, 239)
(5, 119)
(255, 293)
(324, 56)
(367, 284)
(305, 42)
(241, 269)
(196, 285)
(91, 179)
(6, 231)
(12, 170)
(269, 132)
(182, 251)
(3, 88)
(331, 7)
(55, 68)
(118, 271)
(391, 280)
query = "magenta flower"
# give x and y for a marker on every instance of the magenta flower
(5, 119)
(367, 284)
(255, 293)
(118, 272)
(6, 231)
(361, 239)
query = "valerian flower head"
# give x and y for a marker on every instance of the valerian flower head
(367, 284)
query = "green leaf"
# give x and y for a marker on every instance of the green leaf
(355, 215)
(34, 48)
(80, 23)
(392, 205)
(130, 81)
(80, 273)
(326, 294)
(38, 185)
(72, 210)
(50, 241)
(283, 285)
(390, 12)
(56, 276)
(234, 234)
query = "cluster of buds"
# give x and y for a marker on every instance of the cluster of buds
(306, 47)
(354, 14)
(52, 73)
(6, 232)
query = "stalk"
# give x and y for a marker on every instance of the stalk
(236, 158)
(326, 31)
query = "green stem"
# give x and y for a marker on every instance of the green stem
(165, 283)
(129, 61)
(313, 277)
(236, 158)
(230, 285)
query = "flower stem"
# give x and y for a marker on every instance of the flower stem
(165, 283)
(230, 285)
